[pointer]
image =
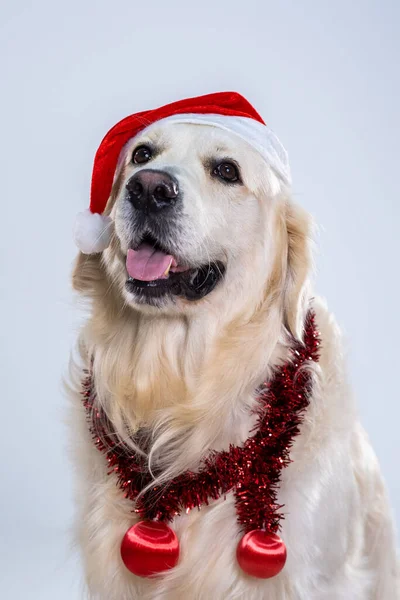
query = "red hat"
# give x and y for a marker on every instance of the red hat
(226, 110)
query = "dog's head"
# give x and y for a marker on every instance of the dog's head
(200, 219)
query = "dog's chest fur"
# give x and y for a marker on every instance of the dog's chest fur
(329, 461)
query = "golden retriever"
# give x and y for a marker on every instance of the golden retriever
(179, 357)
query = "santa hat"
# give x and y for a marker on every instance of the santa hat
(225, 110)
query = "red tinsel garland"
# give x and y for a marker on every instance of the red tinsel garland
(253, 470)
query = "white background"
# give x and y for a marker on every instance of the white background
(325, 76)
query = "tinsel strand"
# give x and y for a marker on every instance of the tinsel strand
(252, 471)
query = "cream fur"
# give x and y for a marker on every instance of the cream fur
(187, 372)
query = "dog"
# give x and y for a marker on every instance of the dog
(177, 355)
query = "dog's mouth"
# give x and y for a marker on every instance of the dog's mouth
(153, 273)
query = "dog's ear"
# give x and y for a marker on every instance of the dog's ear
(88, 275)
(299, 264)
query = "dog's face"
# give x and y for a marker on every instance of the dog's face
(193, 213)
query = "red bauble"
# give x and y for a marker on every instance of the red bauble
(261, 554)
(149, 547)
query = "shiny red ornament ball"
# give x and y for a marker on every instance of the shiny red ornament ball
(149, 547)
(261, 554)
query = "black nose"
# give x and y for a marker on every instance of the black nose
(151, 190)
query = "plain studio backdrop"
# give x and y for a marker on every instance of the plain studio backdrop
(325, 76)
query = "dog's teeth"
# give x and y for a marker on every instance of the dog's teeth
(168, 269)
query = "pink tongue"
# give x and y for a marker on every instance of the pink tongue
(147, 264)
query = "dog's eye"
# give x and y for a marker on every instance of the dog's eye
(141, 154)
(227, 171)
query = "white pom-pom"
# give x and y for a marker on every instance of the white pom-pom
(92, 232)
